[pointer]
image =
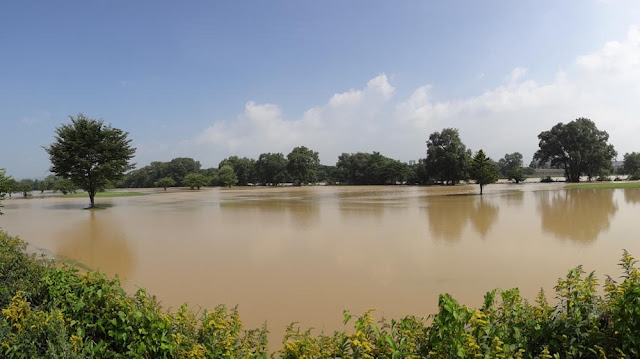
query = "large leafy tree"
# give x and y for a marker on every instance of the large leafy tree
(370, 169)
(447, 156)
(510, 167)
(578, 147)
(483, 170)
(90, 154)
(244, 168)
(196, 180)
(165, 182)
(302, 165)
(631, 165)
(227, 177)
(271, 168)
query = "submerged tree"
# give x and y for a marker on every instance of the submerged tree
(302, 165)
(90, 154)
(227, 177)
(196, 180)
(483, 170)
(578, 147)
(447, 156)
(631, 165)
(165, 182)
(510, 167)
(271, 168)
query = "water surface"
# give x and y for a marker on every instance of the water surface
(305, 254)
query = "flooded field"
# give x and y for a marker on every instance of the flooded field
(305, 254)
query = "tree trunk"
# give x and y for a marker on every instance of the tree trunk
(92, 196)
(481, 189)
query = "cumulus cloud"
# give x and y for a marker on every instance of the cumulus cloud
(603, 86)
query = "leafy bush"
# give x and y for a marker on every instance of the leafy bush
(58, 312)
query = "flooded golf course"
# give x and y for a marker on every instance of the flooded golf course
(304, 254)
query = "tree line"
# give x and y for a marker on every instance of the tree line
(92, 156)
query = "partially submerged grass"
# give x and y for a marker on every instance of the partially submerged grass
(605, 185)
(104, 194)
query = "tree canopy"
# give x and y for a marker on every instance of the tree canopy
(510, 167)
(244, 168)
(226, 176)
(165, 182)
(195, 180)
(631, 165)
(302, 165)
(447, 157)
(483, 170)
(4, 187)
(578, 147)
(370, 169)
(271, 168)
(90, 154)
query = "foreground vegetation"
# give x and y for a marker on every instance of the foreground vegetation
(57, 312)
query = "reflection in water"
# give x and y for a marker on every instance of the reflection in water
(97, 243)
(578, 214)
(484, 216)
(448, 216)
(632, 195)
(302, 212)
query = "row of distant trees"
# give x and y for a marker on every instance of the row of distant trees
(578, 148)
(90, 155)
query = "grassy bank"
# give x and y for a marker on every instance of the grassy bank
(50, 311)
(605, 185)
(103, 194)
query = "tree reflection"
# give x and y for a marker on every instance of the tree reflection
(98, 243)
(578, 214)
(448, 215)
(632, 195)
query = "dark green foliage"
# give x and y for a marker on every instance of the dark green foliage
(578, 147)
(271, 169)
(302, 165)
(483, 170)
(227, 177)
(196, 180)
(510, 167)
(447, 157)
(370, 169)
(419, 174)
(64, 185)
(631, 166)
(177, 168)
(326, 174)
(244, 168)
(90, 154)
(147, 176)
(4, 185)
(165, 182)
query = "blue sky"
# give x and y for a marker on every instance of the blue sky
(209, 79)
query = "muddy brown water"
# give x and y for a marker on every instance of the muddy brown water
(305, 254)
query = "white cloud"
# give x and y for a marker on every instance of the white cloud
(603, 86)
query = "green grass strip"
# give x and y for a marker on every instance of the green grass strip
(605, 185)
